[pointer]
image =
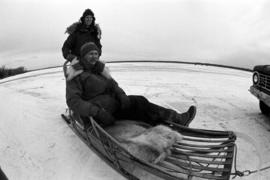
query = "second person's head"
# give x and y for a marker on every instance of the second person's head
(88, 17)
(89, 54)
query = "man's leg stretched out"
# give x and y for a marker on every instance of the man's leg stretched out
(141, 109)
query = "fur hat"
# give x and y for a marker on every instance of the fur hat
(88, 47)
(86, 13)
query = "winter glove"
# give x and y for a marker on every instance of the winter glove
(104, 117)
(98, 67)
(70, 57)
(124, 101)
(74, 69)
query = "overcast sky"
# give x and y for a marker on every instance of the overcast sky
(234, 32)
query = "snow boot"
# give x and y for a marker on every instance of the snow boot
(185, 118)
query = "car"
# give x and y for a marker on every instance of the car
(261, 87)
(2, 175)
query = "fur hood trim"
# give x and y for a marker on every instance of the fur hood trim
(73, 27)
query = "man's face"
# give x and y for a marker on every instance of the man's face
(92, 57)
(88, 20)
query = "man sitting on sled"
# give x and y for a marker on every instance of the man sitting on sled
(93, 92)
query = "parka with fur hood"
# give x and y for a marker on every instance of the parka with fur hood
(79, 34)
(90, 90)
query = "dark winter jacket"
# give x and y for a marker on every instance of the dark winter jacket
(80, 35)
(90, 91)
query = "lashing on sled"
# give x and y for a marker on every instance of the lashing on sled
(179, 152)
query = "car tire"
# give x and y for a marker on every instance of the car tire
(264, 108)
(2, 175)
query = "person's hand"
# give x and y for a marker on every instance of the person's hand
(104, 117)
(125, 102)
(70, 57)
(72, 73)
(74, 69)
(99, 31)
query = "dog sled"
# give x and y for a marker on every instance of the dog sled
(203, 154)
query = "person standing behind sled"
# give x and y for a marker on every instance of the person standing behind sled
(93, 93)
(86, 30)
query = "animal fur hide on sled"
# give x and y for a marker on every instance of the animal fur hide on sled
(152, 145)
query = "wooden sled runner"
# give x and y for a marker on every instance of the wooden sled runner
(205, 154)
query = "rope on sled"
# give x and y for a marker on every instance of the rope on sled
(259, 153)
(245, 172)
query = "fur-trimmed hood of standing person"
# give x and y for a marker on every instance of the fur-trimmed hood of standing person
(78, 26)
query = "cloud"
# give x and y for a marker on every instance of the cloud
(184, 29)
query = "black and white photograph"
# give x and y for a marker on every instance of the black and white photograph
(135, 89)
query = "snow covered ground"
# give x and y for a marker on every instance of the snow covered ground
(35, 143)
